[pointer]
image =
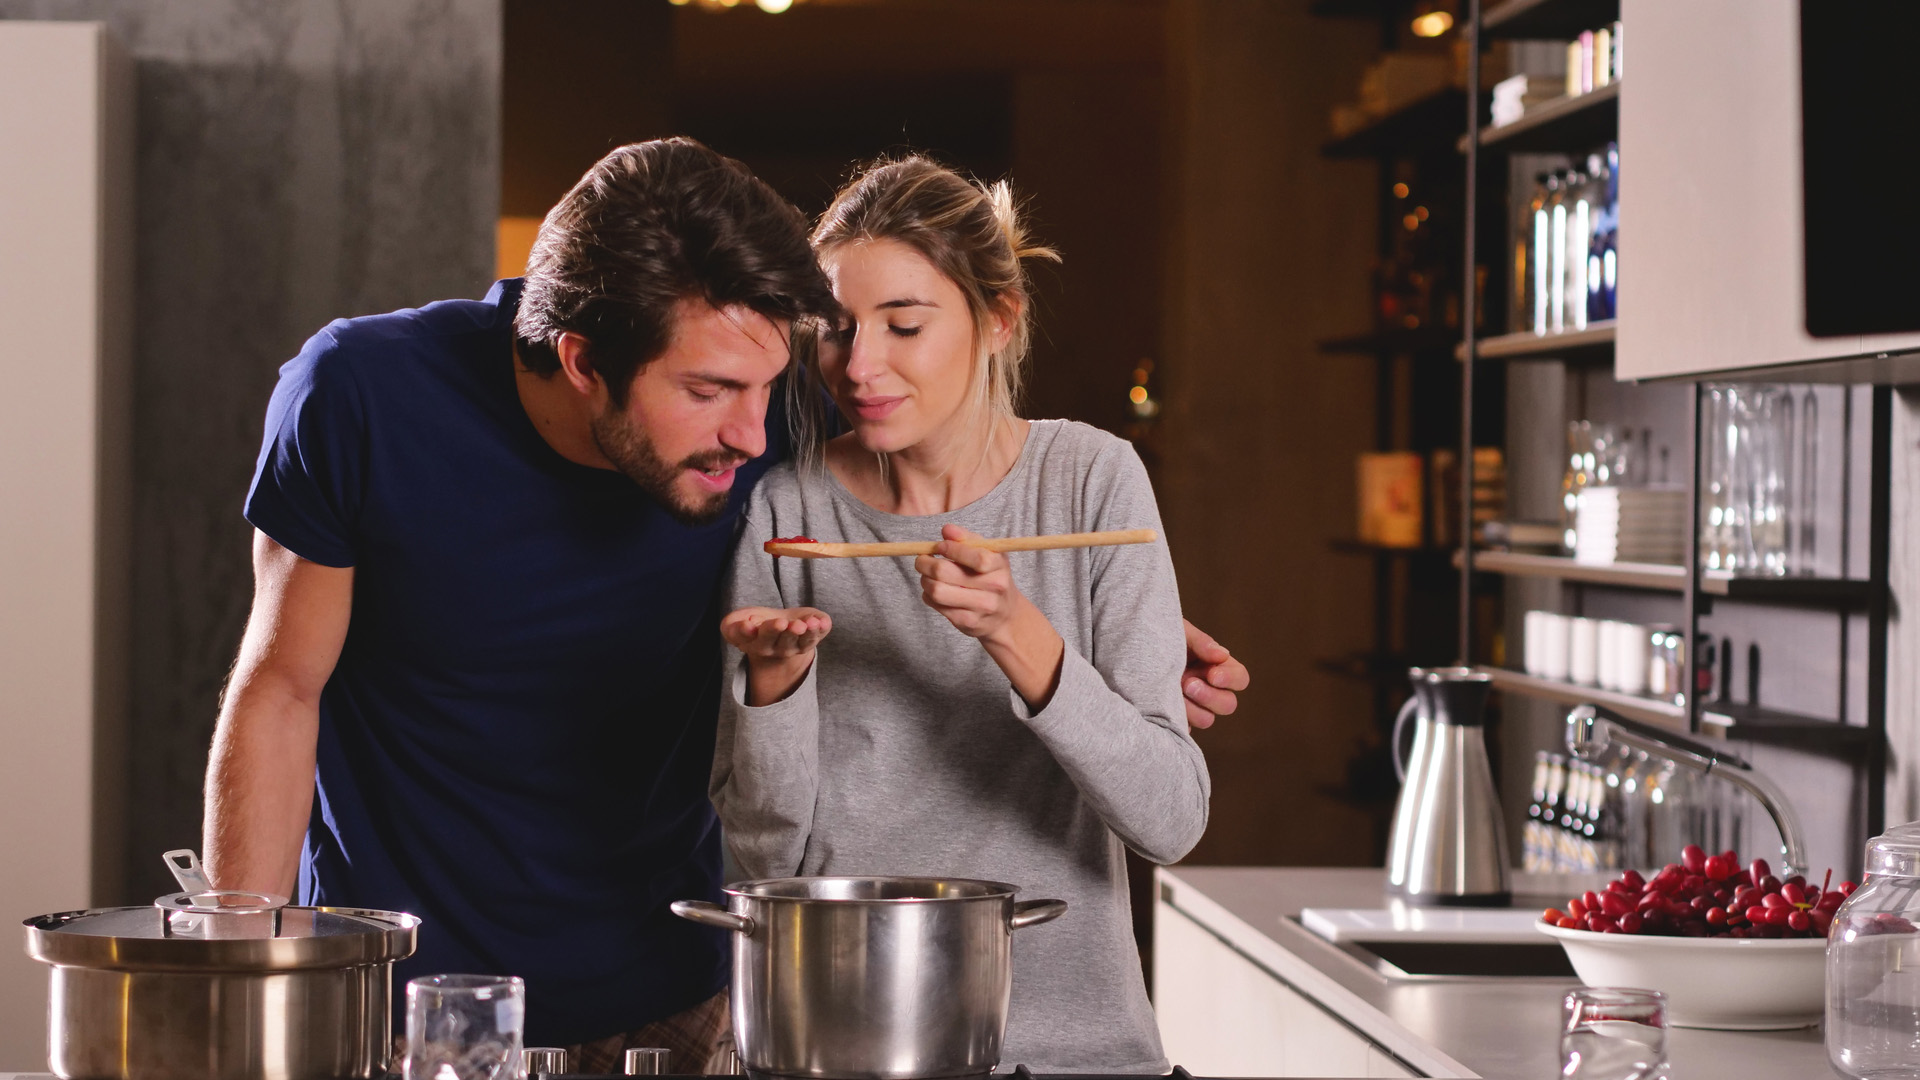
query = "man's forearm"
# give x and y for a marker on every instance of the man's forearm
(260, 788)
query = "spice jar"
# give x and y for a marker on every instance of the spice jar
(1873, 964)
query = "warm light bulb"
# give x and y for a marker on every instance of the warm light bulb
(1399, 190)
(1137, 395)
(1432, 24)
(774, 7)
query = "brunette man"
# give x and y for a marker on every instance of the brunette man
(489, 537)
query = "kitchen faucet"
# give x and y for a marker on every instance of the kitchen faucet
(1591, 729)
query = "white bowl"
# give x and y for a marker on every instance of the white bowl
(1741, 984)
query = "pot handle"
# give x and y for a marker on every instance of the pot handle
(709, 914)
(1034, 912)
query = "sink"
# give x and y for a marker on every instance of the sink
(1456, 960)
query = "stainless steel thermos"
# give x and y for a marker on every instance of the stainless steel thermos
(1448, 844)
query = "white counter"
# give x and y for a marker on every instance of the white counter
(1243, 990)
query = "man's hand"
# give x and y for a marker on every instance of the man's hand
(1211, 680)
(778, 644)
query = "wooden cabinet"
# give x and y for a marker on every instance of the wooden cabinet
(1221, 1014)
(1712, 274)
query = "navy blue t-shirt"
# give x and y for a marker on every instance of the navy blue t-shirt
(516, 740)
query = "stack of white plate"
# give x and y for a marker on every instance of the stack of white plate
(1630, 524)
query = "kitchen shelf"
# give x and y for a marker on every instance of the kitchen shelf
(1661, 577)
(1594, 345)
(1758, 724)
(1430, 123)
(1393, 342)
(1534, 19)
(1569, 125)
(1632, 706)
(1845, 594)
(1746, 723)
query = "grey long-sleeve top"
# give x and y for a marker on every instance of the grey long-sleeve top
(906, 750)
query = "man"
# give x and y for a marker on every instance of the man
(489, 539)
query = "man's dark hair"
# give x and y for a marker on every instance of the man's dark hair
(650, 225)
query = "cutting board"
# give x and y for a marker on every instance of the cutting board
(1491, 926)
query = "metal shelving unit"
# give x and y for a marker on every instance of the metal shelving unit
(1593, 345)
(1551, 128)
(1429, 123)
(1547, 18)
(1574, 125)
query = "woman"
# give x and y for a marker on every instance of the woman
(885, 742)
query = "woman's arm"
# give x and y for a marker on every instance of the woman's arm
(766, 758)
(1114, 718)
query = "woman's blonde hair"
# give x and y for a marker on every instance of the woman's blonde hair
(970, 231)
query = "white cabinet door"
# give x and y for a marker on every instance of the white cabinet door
(1222, 1015)
(1711, 250)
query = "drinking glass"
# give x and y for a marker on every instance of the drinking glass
(465, 1027)
(1613, 1033)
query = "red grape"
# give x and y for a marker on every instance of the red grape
(1632, 923)
(1798, 920)
(1633, 879)
(1553, 916)
(1615, 905)
(1759, 869)
(1776, 900)
(1795, 894)
(1577, 908)
(1769, 884)
(1694, 858)
(1756, 915)
(1716, 916)
(1718, 868)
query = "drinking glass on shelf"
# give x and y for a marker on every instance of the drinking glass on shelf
(1807, 484)
(1613, 1033)
(465, 1027)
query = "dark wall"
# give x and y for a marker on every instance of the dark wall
(1269, 252)
(295, 163)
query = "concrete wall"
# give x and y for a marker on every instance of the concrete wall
(295, 162)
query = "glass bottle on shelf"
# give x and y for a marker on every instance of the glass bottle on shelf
(1807, 484)
(1553, 255)
(1599, 299)
(1529, 274)
(1530, 845)
(1579, 202)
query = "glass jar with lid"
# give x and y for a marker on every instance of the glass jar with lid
(1873, 964)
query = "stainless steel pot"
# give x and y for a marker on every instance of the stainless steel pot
(874, 978)
(220, 986)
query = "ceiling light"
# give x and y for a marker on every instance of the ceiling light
(1432, 24)
(774, 7)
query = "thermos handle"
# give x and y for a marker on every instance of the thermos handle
(1400, 722)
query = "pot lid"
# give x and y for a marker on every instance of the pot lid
(186, 932)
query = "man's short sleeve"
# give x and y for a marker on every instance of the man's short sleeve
(308, 483)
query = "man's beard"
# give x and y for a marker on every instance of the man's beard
(633, 453)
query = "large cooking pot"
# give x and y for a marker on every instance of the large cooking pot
(220, 986)
(871, 978)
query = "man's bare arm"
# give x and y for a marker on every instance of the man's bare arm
(260, 773)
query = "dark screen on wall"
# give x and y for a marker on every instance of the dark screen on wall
(1861, 134)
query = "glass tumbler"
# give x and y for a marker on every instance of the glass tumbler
(465, 1027)
(1613, 1034)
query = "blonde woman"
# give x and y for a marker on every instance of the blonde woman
(861, 732)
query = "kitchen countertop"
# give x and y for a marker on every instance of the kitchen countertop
(1501, 1028)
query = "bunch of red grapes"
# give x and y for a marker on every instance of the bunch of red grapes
(1707, 896)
